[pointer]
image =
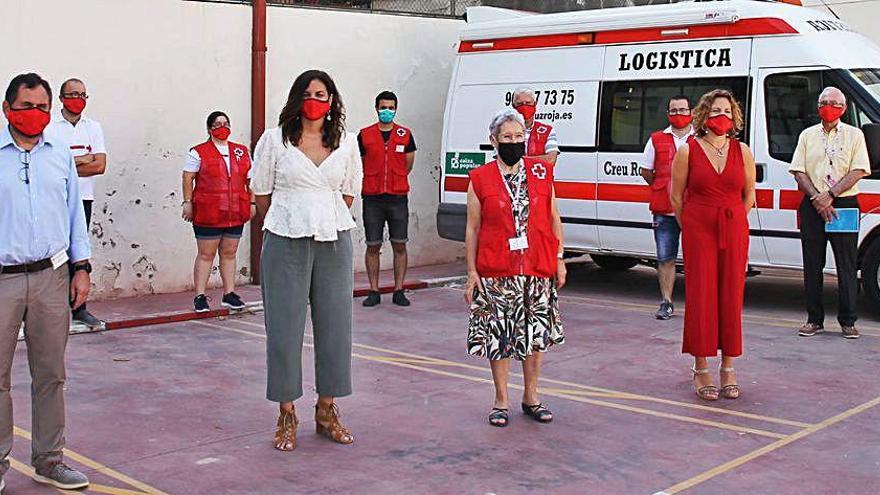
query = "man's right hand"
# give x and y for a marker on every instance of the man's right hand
(822, 201)
(187, 212)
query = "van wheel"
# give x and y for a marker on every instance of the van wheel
(871, 273)
(614, 263)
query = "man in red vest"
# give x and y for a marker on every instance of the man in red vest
(657, 171)
(541, 142)
(388, 151)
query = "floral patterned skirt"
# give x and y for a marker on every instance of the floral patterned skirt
(514, 317)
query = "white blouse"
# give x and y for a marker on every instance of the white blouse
(306, 199)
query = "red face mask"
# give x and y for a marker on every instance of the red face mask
(313, 109)
(221, 133)
(720, 124)
(829, 113)
(74, 105)
(527, 111)
(30, 121)
(680, 121)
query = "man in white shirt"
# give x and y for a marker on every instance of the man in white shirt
(86, 140)
(657, 172)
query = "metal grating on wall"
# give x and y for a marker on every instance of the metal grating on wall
(457, 8)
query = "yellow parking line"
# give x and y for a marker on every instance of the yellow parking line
(622, 395)
(98, 467)
(549, 392)
(739, 461)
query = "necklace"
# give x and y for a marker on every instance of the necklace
(718, 150)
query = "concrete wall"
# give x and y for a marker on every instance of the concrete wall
(156, 68)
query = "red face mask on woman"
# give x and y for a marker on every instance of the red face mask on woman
(680, 121)
(720, 124)
(74, 105)
(830, 113)
(527, 111)
(221, 133)
(28, 121)
(313, 109)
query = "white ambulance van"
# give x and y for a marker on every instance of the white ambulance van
(603, 80)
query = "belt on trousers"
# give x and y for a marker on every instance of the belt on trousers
(36, 266)
(725, 216)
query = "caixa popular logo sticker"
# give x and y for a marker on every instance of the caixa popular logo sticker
(460, 163)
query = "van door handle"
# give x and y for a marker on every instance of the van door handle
(760, 172)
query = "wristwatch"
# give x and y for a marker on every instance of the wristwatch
(85, 267)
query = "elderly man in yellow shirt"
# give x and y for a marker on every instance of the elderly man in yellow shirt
(830, 158)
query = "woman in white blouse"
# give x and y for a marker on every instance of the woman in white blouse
(307, 172)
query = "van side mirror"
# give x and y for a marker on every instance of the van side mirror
(872, 140)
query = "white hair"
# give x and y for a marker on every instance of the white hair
(831, 89)
(502, 117)
(524, 91)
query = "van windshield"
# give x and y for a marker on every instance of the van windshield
(870, 80)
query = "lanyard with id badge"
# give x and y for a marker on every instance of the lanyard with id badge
(520, 242)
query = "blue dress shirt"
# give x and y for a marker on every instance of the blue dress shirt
(43, 216)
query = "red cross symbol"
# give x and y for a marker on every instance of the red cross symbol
(539, 171)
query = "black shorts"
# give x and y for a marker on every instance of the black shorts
(382, 209)
(214, 233)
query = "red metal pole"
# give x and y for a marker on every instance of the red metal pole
(258, 115)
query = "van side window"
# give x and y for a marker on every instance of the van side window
(791, 107)
(632, 110)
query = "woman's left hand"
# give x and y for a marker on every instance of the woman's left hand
(561, 273)
(253, 211)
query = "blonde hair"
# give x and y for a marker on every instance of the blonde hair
(704, 108)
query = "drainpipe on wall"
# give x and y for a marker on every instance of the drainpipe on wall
(258, 116)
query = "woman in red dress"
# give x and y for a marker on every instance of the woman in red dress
(713, 189)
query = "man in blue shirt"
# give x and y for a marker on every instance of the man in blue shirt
(42, 229)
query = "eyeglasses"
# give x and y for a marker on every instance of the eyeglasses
(835, 104)
(24, 173)
(679, 111)
(75, 95)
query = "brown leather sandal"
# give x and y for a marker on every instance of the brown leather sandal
(709, 392)
(285, 435)
(327, 423)
(731, 391)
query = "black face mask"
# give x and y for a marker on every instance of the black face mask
(511, 153)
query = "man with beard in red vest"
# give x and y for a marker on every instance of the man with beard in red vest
(657, 172)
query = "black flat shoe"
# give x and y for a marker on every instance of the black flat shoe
(372, 299)
(498, 417)
(538, 412)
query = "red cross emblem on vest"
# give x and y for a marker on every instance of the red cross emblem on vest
(539, 171)
(238, 153)
(541, 130)
(401, 132)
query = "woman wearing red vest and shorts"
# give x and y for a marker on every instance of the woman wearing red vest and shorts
(218, 201)
(514, 256)
(713, 189)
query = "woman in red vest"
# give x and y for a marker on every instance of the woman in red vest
(713, 189)
(514, 256)
(218, 201)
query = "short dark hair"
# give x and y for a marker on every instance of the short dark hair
(213, 116)
(680, 97)
(29, 81)
(386, 95)
(70, 80)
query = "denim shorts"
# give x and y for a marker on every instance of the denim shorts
(385, 209)
(215, 233)
(666, 236)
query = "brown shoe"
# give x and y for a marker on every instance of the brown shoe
(285, 435)
(811, 329)
(327, 423)
(849, 332)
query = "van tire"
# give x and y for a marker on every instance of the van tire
(614, 263)
(871, 272)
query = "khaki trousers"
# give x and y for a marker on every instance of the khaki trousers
(41, 301)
